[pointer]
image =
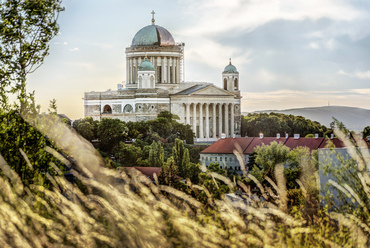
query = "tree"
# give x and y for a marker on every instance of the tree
(366, 131)
(169, 174)
(26, 28)
(53, 108)
(111, 132)
(156, 154)
(181, 157)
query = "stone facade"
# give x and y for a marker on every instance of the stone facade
(154, 68)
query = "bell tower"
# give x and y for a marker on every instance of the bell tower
(230, 78)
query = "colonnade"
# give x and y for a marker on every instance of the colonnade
(210, 120)
(167, 69)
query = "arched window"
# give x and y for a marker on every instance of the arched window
(225, 84)
(236, 84)
(128, 108)
(107, 109)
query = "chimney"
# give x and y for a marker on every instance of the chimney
(223, 136)
(278, 136)
(261, 135)
(286, 136)
(331, 136)
(296, 136)
(316, 135)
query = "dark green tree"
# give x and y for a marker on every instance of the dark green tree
(156, 154)
(110, 133)
(169, 174)
(181, 157)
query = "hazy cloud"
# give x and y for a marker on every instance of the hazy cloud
(74, 49)
(357, 74)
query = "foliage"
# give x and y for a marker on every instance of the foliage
(111, 132)
(26, 28)
(169, 174)
(273, 123)
(156, 154)
(181, 157)
(366, 131)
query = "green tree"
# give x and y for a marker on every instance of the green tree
(128, 155)
(181, 157)
(53, 108)
(169, 174)
(156, 154)
(267, 157)
(111, 132)
(26, 28)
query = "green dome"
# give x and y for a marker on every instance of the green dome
(146, 66)
(153, 35)
(230, 69)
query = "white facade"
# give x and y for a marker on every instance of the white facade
(208, 109)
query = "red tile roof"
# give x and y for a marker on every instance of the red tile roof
(258, 142)
(336, 142)
(228, 145)
(311, 143)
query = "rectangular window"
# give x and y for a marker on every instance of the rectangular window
(206, 158)
(210, 158)
(220, 158)
(225, 158)
(215, 158)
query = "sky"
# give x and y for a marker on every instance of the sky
(289, 53)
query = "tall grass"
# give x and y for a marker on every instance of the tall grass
(124, 209)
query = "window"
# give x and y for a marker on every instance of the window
(215, 158)
(220, 158)
(210, 158)
(107, 109)
(206, 158)
(225, 158)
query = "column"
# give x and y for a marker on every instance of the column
(220, 119)
(187, 113)
(207, 119)
(195, 118)
(214, 120)
(131, 71)
(134, 73)
(178, 70)
(201, 120)
(168, 70)
(173, 70)
(227, 120)
(232, 119)
(162, 70)
(127, 71)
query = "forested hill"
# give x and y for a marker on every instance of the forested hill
(353, 118)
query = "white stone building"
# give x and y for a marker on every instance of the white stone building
(154, 68)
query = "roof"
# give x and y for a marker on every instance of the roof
(192, 89)
(230, 69)
(153, 35)
(146, 66)
(258, 142)
(147, 171)
(228, 145)
(336, 142)
(311, 143)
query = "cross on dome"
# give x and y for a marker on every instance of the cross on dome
(153, 20)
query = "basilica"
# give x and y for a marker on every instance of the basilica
(154, 72)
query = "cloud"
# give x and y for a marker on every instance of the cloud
(74, 49)
(60, 43)
(357, 74)
(220, 16)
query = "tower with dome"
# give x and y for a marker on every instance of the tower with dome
(154, 72)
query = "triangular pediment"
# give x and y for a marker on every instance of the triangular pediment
(205, 90)
(212, 90)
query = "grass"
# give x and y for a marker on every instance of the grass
(119, 209)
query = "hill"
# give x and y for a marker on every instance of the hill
(353, 118)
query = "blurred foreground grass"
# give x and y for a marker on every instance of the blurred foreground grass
(110, 208)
